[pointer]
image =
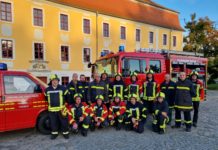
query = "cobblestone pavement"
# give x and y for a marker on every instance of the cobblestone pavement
(204, 137)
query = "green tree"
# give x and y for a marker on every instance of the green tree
(202, 36)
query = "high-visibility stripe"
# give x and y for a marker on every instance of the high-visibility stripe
(154, 122)
(171, 87)
(97, 87)
(156, 112)
(197, 98)
(64, 133)
(121, 90)
(85, 126)
(57, 108)
(54, 133)
(12, 108)
(72, 88)
(188, 122)
(183, 88)
(184, 107)
(178, 120)
(144, 116)
(137, 113)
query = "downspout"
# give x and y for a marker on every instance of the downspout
(96, 34)
(170, 46)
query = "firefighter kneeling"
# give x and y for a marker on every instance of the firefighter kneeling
(79, 116)
(99, 114)
(56, 95)
(135, 115)
(117, 111)
(160, 111)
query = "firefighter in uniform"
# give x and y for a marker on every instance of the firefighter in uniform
(136, 115)
(168, 87)
(160, 111)
(149, 90)
(199, 88)
(79, 115)
(116, 112)
(134, 87)
(97, 87)
(72, 88)
(118, 87)
(105, 79)
(99, 114)
(82, 88)
(56, 95)
(183, 101)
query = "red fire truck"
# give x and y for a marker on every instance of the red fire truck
(22, 101)
(160, 61)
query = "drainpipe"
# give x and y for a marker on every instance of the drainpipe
(96, 34)
(170, 42)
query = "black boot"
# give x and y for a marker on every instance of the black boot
(188, 129)
(54, 136)
(84, 132)
(66, 136)
(118, 127)
(194, 124)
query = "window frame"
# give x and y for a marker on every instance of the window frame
(85, 26)
(90, 54)
(23, 76)
(42, 17)
(63, 23)
(138, 35)
(6, 11)
(13, 47)
(151, 38)
(174, 41)
(106, 31)
(164, 39)
(151, 67)
(122, 33)
(68, 59)
(34, 58)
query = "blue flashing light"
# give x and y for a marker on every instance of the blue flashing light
(3, 66)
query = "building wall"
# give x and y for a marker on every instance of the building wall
(23, 33)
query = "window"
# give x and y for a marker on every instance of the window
(123, 32)
(151, 37)
(18, 84)
(38, 17)
(86, 55)
(6, 14)
(38, 51)
(138, 35)
(65, 81)
(164, 39)
(7, 49)
(134, 66)
(64, 22)
(174, 41)
(65, 53)
(106, 29)
(86, 26)
(155, 66)
(108, 65)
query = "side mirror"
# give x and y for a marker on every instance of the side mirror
(38, 89)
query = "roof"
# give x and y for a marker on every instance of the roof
(145, 11)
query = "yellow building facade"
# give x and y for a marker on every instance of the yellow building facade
(44, 37)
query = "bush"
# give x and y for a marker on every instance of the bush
(212, 86)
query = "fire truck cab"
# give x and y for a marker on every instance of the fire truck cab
(160, 61)
(22, 101)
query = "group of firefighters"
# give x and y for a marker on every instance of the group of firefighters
(81, 106)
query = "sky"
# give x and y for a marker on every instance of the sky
(202, 8)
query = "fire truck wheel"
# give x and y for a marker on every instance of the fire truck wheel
(43, 124)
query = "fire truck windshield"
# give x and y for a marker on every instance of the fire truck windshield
(108, 65)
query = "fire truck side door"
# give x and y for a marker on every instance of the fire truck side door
(19, 92)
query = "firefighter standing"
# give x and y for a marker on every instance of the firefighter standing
(149, 90)
(72, 88)
(99, 114)
(183, 101)
(168, 87)
(135, 115)
(118, 87)
(97, 87)
(160, 111)
(134, 87)
(105, 79)
(82, 88)
(56, 95)
(116, 111)
(199, 88)
(79, 115)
